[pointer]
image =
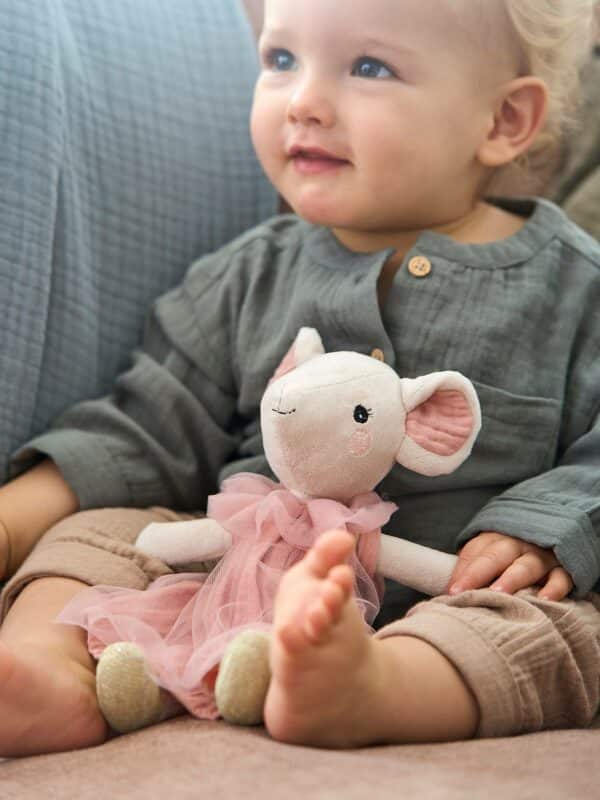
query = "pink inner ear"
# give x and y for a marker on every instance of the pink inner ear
(442, 424)
(287, 364)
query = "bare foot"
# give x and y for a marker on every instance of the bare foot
(334, 685)
(47, 703)
(325, 673)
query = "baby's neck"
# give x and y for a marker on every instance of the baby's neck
(483, 224)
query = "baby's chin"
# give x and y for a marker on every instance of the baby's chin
(347, 219)
(314, 211)
(327, 214)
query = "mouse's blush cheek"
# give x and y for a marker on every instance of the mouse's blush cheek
(360, 444)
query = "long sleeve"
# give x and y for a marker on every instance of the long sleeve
(560, 508)
(187, 411)
(164, 432)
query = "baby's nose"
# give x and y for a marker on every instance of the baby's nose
(310, 104)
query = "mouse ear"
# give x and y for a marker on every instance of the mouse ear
(443, 419)
(307, 345)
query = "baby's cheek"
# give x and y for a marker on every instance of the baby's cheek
(360, 443)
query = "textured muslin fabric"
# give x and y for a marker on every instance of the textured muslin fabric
(518, 317)
(183, 623)
(531, 664)
(125, 154)
(94, 547)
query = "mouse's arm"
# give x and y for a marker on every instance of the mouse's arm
(189, 542)
(421, 568)
(198, 540)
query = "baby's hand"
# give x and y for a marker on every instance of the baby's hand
(511, 564)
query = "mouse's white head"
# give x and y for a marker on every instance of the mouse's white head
(334, 424)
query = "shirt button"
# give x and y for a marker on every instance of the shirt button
(419, 266)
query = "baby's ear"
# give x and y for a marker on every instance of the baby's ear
(307, 345)
(443, 419)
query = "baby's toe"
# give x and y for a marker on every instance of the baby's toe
(318, 623)
(330, 550)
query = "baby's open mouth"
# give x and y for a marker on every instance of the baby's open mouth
(316, 156)
(314, 161)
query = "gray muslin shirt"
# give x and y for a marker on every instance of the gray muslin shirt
(519, 317)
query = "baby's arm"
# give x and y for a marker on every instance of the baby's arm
(520, 536)
(29, 505)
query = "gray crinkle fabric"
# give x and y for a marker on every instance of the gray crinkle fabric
(125, 155)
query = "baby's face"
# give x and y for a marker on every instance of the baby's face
(368, 114)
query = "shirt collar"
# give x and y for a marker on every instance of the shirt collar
(543, 221)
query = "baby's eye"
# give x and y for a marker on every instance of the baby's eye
(362, 414)
(367, 67)
(279, 60)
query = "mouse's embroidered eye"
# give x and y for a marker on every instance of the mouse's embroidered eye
(362, 414)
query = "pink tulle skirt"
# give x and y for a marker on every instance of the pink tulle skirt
(184, 622)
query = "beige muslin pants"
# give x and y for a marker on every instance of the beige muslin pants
(532, 664)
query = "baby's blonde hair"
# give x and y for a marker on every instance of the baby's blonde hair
(555, 39)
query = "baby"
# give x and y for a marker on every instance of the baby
(385, 126)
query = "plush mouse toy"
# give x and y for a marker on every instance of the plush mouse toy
(333, 426)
